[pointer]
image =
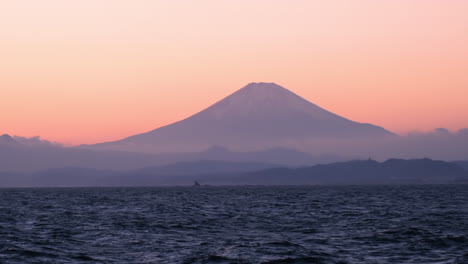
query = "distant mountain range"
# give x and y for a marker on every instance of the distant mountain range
(255, 122)
(258, 116)
(16, 157)
(52, 166)
(394, 171)
(181, 173)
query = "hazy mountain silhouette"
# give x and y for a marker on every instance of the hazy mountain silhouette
(171, 174)
(204, 167)
(279, 156)
(24, 158)
(184, 173)
(394, 171)
(260, 115)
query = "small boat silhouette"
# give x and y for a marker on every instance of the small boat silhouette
(196, 184)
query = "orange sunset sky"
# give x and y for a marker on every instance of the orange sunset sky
(89, 71)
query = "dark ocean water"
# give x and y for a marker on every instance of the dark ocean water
(336, 224)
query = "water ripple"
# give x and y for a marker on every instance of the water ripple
(329, 224)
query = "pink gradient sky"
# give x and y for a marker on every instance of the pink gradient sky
(89, 71)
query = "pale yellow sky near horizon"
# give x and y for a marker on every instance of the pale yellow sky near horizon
(98, 70)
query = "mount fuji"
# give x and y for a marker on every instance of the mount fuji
(259, 115)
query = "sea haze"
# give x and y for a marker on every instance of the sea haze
(208, 172)
(334, 224)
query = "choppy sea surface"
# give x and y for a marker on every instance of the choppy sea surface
(244, 224)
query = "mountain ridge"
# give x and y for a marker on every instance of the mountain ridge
(392, 171)
(19, 158)
(257, 116)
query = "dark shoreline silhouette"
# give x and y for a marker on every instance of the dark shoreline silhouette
(393, 171)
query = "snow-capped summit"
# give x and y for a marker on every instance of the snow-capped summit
(261, 100)
(257, 115)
